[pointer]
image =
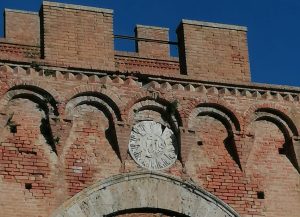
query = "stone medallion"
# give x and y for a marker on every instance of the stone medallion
(152, 145)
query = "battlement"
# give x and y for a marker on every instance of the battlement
(88, 130)
(81, 37)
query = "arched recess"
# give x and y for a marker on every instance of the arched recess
(30, 110)
(44, 101)
(226, 117)
(223, 114)
(167, 110)
(41, 96)
(108, 95)
(90, 141)
(97, 97)
(102, 103)
(126, 192)
(286, 126)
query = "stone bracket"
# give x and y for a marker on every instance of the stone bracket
(123, 131)
(187, 139)
(243, 143)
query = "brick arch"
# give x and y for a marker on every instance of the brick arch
(141, 191)
(40, 85)
(40, 96)
(103, 104)
(99, 98)
(40, 101)
(218, 110)
(110, 131)
(135, 99)
(161, 103)
(219, 105)
(95, 89)
(112, 113)
(275, 111)
(45, 102)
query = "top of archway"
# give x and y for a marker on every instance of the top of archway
(144, 190)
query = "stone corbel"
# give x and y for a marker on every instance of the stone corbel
(61, 128)
(243, 143)
(187, 139)
(123, 131)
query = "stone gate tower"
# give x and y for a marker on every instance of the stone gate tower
(88, 131)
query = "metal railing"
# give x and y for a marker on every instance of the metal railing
(133, 38)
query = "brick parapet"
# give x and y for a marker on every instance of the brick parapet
(85, 36)
(11, 51)
(64, 127)
(22, 27)
(135, 62)
(213, 51)
(71, 48)
(159, 49)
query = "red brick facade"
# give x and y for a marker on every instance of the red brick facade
(68, 102)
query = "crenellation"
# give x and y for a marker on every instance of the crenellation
(90, 131)
(22, 27)
(93, 47)
(158, 49)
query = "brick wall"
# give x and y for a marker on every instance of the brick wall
(22, 27)
(213, 52)
(238, 151)
(152, 49)
(22, 36)
(78, 36)
(62, 130)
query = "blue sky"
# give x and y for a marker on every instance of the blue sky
(273, 37)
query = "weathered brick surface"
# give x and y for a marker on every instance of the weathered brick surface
(134, 62)
(152, 49)
(78, 37)
(22, 27)
(86, 152)
(213, 52)
(89, 154)
(22, 36)
(63, 130)
(10, 51)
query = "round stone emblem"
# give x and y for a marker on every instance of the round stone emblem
(152, 145)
